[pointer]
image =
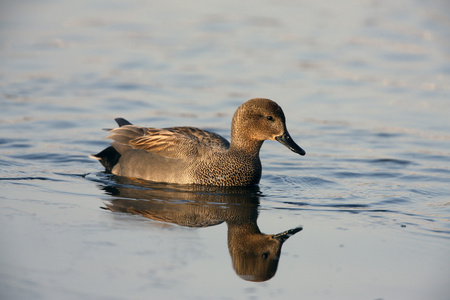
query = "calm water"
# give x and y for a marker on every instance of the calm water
(365, 86)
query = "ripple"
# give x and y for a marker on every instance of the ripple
(297, 181)
(390, 161)
(353, 208)
(393, 201)
(330, 205)
(437, 170)
(428, 156)
(9, 163)
(388, 134)
(427, 192)
(425, 178)
(348, 174)
(30, 178)
(383, 174)
(52, 157)
(15, 143)
(315, 181)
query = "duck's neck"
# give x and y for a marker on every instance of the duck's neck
(245, 145)
(242, 139)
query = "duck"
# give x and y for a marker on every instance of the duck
(189, 155)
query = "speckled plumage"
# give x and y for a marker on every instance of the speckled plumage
(187, 155)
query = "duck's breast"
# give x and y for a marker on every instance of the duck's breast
(222, 168)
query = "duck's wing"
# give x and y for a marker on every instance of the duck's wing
(176, 142)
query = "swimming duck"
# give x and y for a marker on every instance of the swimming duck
(188, 155)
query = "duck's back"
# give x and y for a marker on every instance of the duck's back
(175, 142)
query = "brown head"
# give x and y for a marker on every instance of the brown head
(261, 119)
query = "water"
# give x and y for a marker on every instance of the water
(365, 89)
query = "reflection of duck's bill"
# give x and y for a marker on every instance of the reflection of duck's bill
(287, 141)
(283, 236)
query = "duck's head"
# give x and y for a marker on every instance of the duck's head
(261, 119)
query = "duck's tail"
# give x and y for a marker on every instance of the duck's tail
(109, 157)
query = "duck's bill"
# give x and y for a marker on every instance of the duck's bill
(286, 140)
(283, 236)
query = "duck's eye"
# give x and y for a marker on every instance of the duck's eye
(270, 118)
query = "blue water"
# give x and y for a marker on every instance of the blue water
(365, 89)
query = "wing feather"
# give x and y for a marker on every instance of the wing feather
(176, 142)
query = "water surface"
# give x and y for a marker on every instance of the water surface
(364, 86)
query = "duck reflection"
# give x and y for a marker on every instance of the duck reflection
(255, 255)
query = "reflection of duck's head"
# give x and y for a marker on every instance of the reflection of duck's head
(256, 255)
